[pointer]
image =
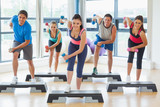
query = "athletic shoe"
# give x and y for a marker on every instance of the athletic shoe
(14, 80)
(94, 71)
(67, 88)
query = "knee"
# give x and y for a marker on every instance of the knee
(51, 53)
(30, 63)
(15, 56)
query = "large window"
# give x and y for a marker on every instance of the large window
(8, 9)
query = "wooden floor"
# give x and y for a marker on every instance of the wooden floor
(129, 98)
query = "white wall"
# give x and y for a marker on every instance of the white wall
(154, 31)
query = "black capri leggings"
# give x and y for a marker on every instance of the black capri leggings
(139, 54)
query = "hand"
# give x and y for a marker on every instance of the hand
(99, 44)
(66, 57)
(125, 22)
(47, 49)
(10, 50)
(60, 21)
(132, 49)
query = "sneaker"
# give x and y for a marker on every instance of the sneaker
(33, 80)
(14, 80)
(49, 71)
(128, 79)
(94, 71)
(67, 89)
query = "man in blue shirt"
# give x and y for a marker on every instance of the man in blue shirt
(22, 41)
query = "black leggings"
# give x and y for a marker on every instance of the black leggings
(139, 54)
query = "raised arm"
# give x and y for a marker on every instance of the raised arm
(98, 18)
(10, 23)
(69, 23)
(127, 21)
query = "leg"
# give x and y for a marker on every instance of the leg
(139, 62)
(110, 60)
(129, 68)
(69, 77)
(71, 62)
(96, 55)
(138, 74)
(130, 57)
(80, 65)
(31, 68)
(56, 61)
(15, 62)
(51, 57)
(79, 81)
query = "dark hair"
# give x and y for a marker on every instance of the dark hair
(23, 12)
(108, 15)
(77, 16)
(139, 17)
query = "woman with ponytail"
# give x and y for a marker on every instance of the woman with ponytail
(137, 40)
(77, 47)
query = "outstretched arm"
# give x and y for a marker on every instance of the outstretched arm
(127, 21)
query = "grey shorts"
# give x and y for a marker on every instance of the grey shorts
(27, 50)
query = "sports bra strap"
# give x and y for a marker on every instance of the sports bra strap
(81, 32)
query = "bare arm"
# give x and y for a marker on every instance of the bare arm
(98, 18)
(21, 45)
(69, 23)
(127, 21)
(144, 39)
(114, 30)
(47, 30)
(58, 41)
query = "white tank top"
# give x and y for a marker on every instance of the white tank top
(104, 32)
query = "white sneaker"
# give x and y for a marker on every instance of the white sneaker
(14, 80)
(49, 71)
(67, 89)
(128, 79)
(33, 80)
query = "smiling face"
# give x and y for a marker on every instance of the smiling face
(137, 24)
(107, 21)
(53, 27)
(76, 23)
(21, 19)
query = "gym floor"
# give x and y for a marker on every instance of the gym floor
(129, 98)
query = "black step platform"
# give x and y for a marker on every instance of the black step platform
(91, 96)
(147, 86)
(7, 87)
(111, 76)
(58, 76)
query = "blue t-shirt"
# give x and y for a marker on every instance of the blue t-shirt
(21, 33)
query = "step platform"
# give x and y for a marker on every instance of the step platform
(144, 86)
(58, 76)
(111, 76)
(7, 87)
(91, 96)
